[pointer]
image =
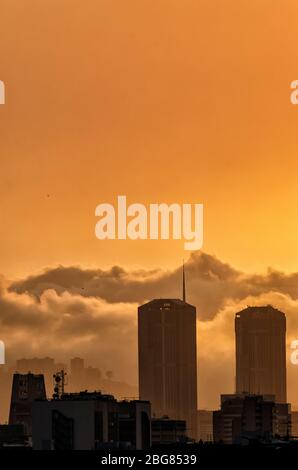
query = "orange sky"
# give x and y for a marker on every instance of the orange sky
(164, 101)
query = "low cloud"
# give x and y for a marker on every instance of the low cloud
(71, 311)
(67, 325)
(210, 283)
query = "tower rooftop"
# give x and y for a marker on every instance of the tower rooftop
(259, 310)
(163, 303)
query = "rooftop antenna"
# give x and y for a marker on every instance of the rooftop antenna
(59, 384)
(183, 281)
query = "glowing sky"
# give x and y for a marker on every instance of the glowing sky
(183, 101)
(164, 101)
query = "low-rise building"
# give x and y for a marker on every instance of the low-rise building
(85, 421)
(245, 417)
(168, 431)
(205, 425)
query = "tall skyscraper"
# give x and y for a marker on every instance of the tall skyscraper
(168, 359)
(261, 352)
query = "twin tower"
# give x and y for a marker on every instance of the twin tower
(168, 356)
(168, 359)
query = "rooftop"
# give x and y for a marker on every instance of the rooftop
(259, 310)
(167, 303)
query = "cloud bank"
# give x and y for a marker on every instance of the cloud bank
(210, 282)
(70, 311)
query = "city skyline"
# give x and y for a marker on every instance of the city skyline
(167, 102)
(50, 302)
(148, 229)
(168, 384)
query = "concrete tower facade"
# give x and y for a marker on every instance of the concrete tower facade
(168, 359)
(261, 352)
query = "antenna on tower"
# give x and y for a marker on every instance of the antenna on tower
(183, 282)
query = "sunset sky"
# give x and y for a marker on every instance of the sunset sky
(162, 101)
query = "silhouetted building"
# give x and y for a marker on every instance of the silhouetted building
(35, 365)
(283, 421)
(5, 392)
(294, 424)
(86, 421)
(40, 365)
(168, 360)
(26, 388)
(205, 425)
(261, 352)
(12, 435)
(92, 377)
(82, 377)
(167, 431)
(77, 367)
(250, 417)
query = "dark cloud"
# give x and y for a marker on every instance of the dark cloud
(210, 282)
